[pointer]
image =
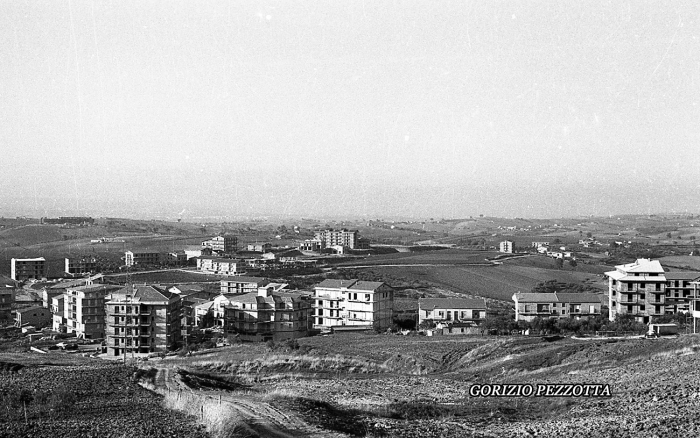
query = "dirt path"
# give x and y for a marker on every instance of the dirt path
(260, 417)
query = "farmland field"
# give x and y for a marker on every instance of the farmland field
(88, 398)
(445, 256)
(497, 282)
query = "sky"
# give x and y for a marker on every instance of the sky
(377, 109)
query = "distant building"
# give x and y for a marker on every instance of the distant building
(81, 265)
(84, 310)
(38, 317)
(69, 220)
(529, 306)
(223, 244)
(242, 285)
(217, 265)
(148, 258)
(259, 247)
(268, 315)
(142, 319)
(344, 237)
(540, 244)
(310, 245)
(176, 258)
(452, 310)
(25, 269)
(506, 246)
(7, 297)
(361, 304)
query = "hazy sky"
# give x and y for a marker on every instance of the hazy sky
(377, 108)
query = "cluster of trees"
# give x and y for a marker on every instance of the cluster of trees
(506, 324)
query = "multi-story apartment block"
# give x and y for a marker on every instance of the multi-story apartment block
(7, 298)
(24, 269)
(452, 310)
(269, 315)
(223, 244)
(344, 237)
(84, 310)
(365, 304)
(132, 258)
(142, 319)
(57, 310)
(81, 265)
(506, 246)
(217, 265)
(242, 285)
(637, 289)
(176, 258)
(529, 306)
(679, 291)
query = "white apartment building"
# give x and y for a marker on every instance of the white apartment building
(363, 304)
(506, 246)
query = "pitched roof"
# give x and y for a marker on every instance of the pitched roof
(566, 297)
(96, 287)
(536, 297)
(335, 284)
(143, 292)
(642, 265)
(557, 297)
(451, 303)
(7, 282)
(367, 285)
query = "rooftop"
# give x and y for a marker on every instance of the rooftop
(451, 303)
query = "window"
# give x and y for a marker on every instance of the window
(658, 286)
(641, 296)
(367, 297)
(642, 285)
(630, 286)
(642, 307)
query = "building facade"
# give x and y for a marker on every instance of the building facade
(38, 317)
(268, 315)
(132, 258)
(529, 306)
(7, 298)
(142, 319)
(506, 246)
(365, 304)
(58, 312)
(217, 265)
(81, 265)
(452, 310)
(223, 244)
(242, 285)
(637, 289)
(84, 310)
(344, 237)
(25, 269)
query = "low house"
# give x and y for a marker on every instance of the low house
(451, 310)
(529, 306)
(259, 247)
(37, 316)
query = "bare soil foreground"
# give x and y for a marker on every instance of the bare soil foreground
(412, 386)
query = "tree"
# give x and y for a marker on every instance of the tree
(589, 234)
(559, 262)
(572, 263)
(669, 235)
